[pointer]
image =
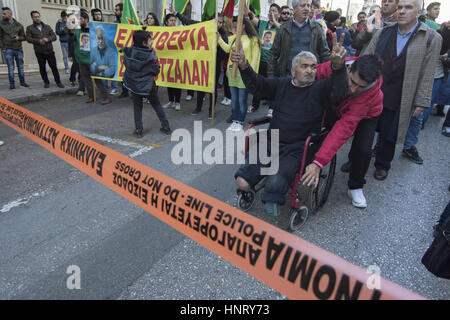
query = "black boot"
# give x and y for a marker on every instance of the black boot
(440, 110)
(165, 128)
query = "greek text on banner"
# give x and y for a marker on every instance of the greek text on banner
(186, 55)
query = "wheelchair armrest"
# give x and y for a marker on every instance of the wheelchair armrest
(317, 136)
(260, 121)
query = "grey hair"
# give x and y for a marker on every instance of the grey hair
(99, 28)
(306, 54)
(297, 2)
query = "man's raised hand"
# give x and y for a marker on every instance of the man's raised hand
(338, 54)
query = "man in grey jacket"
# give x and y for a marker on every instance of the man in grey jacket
(299, 34)
(41, 36)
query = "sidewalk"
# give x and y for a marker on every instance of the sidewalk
(36, 91)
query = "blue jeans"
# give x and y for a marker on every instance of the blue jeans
(10, 55)
(238, 104)
(436, 86)
(412, 136)
(65, 54)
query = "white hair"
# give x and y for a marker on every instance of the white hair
(306, 54)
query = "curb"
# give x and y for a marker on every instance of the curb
(39, 96)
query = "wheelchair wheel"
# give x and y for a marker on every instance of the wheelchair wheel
(325, 183)
(298, 217)
(245, 200)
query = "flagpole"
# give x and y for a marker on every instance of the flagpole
(240, 21)
(213, 98)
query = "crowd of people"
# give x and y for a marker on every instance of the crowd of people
(381, 74)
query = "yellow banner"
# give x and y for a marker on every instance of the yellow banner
(186, 55)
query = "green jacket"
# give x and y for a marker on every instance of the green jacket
(279, 53)
(34, 35)
(82, 54)
(7, 32)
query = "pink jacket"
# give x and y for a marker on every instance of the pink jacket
(351, 111)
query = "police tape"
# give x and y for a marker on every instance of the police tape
(283, 261)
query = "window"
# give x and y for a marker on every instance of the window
(104, 5)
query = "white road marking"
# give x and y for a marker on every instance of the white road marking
(141, 149)
(7, 207)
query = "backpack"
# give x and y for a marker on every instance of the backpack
(437, 258)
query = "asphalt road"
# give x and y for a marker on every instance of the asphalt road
(52, 216)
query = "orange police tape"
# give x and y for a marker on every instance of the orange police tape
(288, 264)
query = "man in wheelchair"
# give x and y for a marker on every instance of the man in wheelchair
(298, 103)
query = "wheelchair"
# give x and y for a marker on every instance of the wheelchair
(304, 201)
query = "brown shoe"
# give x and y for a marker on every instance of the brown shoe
(380, 174)
(90, 100)
(106, 101)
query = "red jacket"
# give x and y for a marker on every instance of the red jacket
(351, 111)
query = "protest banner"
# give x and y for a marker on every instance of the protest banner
(186, 54)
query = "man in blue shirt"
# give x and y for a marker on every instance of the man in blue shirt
(409, 50)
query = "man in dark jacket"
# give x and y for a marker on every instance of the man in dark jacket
(141, 65)
(41, 36)
(11, 37)
(286, 46)
(63, 32)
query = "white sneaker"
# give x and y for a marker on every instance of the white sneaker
(270, 113)
(169, 104)
(358, 199)
(177, 106)
(224, 100)
(188, 98)
(1, 143)
(114, 92)
(235, 126)
(80, 93)
(228, 102)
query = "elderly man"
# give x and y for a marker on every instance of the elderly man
(293, 37)
(103, 58)
(409, 50)
(298, 107)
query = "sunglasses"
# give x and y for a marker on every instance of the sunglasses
(283, 13)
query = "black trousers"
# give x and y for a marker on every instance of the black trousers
(154, 101)
(201, 94)
(387, 137)
(226, 86)
(51, 59)
(174, 94)
(277, 185)
(447, 120)
(361, 150)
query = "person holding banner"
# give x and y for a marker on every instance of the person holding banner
(239, 93)
(174, 93)
(142, 66)
(220, 55)
(82, 54)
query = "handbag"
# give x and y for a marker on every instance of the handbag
(437, 258)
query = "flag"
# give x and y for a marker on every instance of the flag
(256, 5)
(180, 5)
(129, 15)
(209, 10)
(228, 8)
